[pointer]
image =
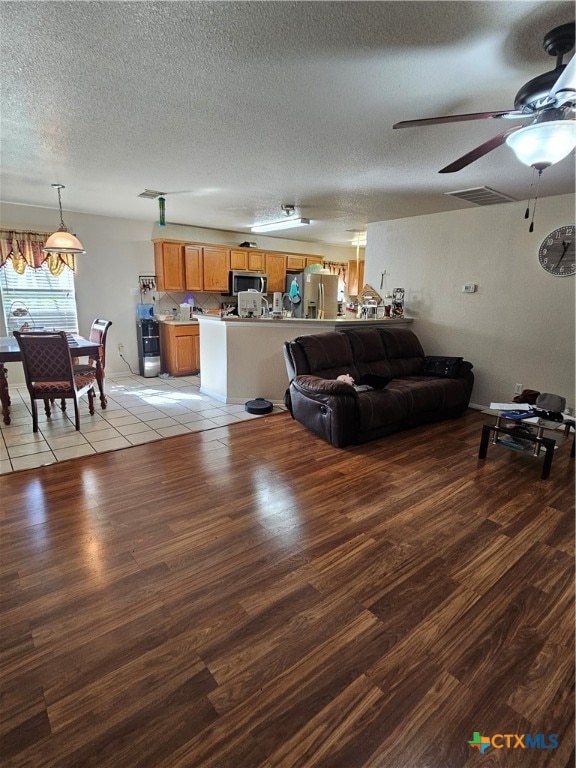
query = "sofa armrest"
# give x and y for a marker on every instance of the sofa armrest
(314, 386)
(329, 408)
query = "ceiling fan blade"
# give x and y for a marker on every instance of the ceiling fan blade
(510, 113)
(478, 152)
(566, 83)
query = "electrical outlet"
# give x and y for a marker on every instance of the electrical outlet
(469, 288)
(120, 348)
(517, 389)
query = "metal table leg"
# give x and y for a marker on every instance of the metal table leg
(486, 429)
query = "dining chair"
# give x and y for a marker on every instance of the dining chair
(98, 334)
(49, 372)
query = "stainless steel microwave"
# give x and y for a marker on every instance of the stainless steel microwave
(247, 281)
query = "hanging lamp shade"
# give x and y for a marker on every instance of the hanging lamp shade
(543, 144)
(63, 241)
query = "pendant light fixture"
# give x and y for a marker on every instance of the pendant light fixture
(62, 241)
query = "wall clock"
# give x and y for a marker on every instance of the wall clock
(556, 254)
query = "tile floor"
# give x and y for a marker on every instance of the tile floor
(139, 410)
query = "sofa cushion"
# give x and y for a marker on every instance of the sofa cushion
(405, 399)
(382, 406)
(382, 352)
(328, 354)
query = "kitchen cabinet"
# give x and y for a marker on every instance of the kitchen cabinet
(276, 271)
(355, 278)
(169, 266)
(194, 268)
(182, 266)
(256, 261)
(295, 263)
(251, 261)
(180, 348)
(216, 266)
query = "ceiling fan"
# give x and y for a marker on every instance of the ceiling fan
(549, 98)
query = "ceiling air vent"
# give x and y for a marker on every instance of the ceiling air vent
(482, 196)
(151, 194)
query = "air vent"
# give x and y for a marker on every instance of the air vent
(481, 196)
(151, 194)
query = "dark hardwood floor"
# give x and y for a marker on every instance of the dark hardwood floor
(250, 597)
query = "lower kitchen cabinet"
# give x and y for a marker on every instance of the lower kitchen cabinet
(180, 348)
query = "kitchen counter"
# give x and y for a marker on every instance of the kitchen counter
(338, 322)
(300, 322)
(194, 321)
(242, 358)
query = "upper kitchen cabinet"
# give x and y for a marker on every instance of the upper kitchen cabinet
(276, 271)
(169, 266)
(355, 277)
(251, 261)
(216, 268)
(182, 266)
(193, 268)
(295, 263)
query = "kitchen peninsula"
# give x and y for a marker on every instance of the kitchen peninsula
(242, 358)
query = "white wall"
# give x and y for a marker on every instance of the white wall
(519, 325)
(118, 250)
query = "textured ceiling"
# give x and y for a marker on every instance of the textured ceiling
(236, 108)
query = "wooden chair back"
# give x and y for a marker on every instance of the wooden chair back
(49, 372)
(98, 333)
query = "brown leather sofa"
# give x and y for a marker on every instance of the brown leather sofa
(341, 415)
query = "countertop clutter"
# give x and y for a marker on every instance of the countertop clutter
(338, 321)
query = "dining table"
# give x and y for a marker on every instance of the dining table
(79, 347)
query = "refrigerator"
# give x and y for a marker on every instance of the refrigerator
(313, 295)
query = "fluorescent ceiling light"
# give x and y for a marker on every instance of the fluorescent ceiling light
(276, 225)
(359, 239)
(543, 144)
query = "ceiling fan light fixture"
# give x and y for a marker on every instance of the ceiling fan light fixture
(273, 226)
(63, 241)
(543, 144)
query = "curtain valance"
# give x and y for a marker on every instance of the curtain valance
(25, 250)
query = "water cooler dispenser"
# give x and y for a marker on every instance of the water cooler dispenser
(148, 334)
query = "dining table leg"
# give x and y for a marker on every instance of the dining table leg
(4, 394)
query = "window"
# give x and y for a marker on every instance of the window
(37, 297)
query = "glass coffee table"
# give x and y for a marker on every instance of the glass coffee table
(523, 436)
